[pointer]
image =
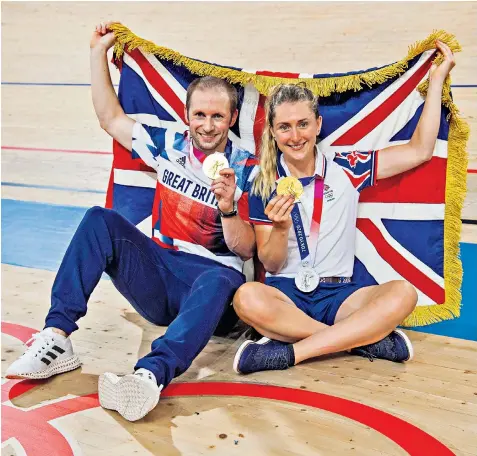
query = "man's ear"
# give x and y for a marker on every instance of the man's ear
(234, 118)
(186, 115)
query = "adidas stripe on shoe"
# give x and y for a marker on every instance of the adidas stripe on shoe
(47, 354)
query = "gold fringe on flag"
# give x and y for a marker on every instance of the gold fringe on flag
(457, 140)
(320, 86)
(456, 187)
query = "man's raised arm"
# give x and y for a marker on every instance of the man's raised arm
(106, 104)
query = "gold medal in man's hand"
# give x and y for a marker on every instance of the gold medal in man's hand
(213, 164)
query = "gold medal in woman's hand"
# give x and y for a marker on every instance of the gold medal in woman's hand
(290, 186)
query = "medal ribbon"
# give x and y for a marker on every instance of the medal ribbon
(306, 258)
(197, 157)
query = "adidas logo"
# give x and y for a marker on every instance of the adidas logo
(52, 355)
(181, 161)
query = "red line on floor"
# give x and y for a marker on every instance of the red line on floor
(409, 437)
(69, 151)
(472, 171)
(20, 332)
(28, 425)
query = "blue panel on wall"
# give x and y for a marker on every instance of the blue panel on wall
(464, 327)
(36, 235)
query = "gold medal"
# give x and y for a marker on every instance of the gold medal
(213, 164)
(290, 186)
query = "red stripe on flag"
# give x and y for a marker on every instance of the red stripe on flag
(123, 160)
(374, 118)
(277, 74)
(157, 81)
(242, 207)
(424, 184)
(402, 266)
(109, 194)
(259, 123)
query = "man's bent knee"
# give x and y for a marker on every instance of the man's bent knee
(95, 211)
(98, 214)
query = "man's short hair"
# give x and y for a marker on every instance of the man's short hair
(211, 82)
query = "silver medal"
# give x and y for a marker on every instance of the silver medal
(307, 279)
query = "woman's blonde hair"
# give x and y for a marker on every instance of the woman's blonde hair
(264, 183)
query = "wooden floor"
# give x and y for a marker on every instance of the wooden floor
(325, 411)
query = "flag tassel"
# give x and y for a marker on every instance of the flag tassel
(319, 86)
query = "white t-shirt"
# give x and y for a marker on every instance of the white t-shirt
(344, 178)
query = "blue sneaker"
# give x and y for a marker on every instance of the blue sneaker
(266, 354)
(395, 347)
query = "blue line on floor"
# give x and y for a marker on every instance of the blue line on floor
(36, 235)
(53, 187)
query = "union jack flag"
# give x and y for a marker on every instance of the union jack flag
(400, 227)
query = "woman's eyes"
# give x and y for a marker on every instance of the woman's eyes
(287, 127)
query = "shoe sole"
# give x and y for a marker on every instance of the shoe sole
(242, 347)
(58, 367)
(408, 344)
(130, 396)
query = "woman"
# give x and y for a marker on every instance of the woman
(308, 305)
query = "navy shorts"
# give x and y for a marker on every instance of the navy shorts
(322, 304)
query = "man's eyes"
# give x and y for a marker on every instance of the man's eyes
(215, 116)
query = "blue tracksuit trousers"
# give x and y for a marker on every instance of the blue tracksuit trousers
(189, 293)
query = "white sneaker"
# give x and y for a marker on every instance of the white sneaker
(48, 354)
(133, 395)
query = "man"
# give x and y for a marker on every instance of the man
(187, 278)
